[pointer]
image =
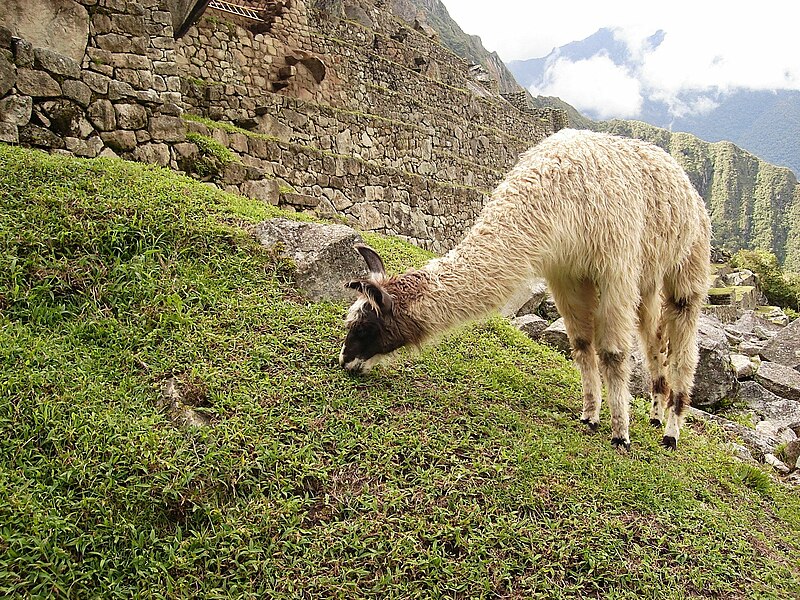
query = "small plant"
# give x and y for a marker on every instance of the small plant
(213, 156)
(754, 478)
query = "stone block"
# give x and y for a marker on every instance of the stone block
(56, 63)
(265, 190)
(530, 325)
(156, 154)
(78, 91)
(16, 110)
(33, 135)
(119, 90)
(23, 53)
(96, 81)
(37, 84)
(167, 128)
(8, 73)
(120, 140)
(131, 116)
(9, 133)
(88, 148)
(102, 115)
(779, 379)
(555, 335)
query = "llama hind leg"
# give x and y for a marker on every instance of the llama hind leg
(654, 348)
(577, 302)
(613, 334)
(686, 289)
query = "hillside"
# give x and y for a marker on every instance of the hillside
(460, 472)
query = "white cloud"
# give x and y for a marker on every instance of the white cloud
(596, 86)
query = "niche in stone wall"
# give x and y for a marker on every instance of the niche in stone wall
(303, 71)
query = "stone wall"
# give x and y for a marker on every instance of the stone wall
(353, 113)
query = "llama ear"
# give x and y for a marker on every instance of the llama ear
(374, 262)
(376, 295)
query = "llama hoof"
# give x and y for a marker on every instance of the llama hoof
(655, 422)
(590, 424)
(669, 442)
(621, 444)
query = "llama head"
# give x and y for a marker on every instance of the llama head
(377, 322)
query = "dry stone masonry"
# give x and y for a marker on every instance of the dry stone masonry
(338, 107)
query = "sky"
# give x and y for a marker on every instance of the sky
(709, 45)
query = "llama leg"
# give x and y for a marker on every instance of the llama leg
(686, 288)
(576, 302)
(615, 324)
(655, 353)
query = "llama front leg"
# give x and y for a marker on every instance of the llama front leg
(577, 302)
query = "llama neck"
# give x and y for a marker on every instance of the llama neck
(479, 275)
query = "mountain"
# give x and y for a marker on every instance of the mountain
(766, 123)
(469, 47)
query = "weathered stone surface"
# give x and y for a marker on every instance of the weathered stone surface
(768, 406)
(16, 109)
(96, 81)
(167, 129)
(784, 347)
(56, 63)
(9, 133)
(119, 140)
(714, 379)
(742, 366)
(88, 148)
(530, 325)
(547, 309)
(780, 379)
(131, 116)
(323, 255)
(78, 91)
(156, 154)
(33, 135)
(58, 25)
(555, 335)
(8, 73)
(791, 453)
(101, 113)
(37, 84)
(262, 189)
(750, 324)
(760, 444)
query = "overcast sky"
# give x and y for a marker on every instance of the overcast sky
(709, 44)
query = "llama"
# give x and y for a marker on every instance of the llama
(622, 238)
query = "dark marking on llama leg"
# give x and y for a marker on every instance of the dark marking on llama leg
(669, 442)
(621, 444)
(656, 423)
(660, 389)
(589, 401)
(679, 403)
(582, 345)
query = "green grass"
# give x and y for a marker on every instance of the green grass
(460, 472)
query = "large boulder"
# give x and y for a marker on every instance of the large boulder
(556, 336)
(714, 379)
(779, 379)
(323, 255)
(58, 25)
(784, 347)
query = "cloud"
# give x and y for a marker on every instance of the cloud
(596, 86)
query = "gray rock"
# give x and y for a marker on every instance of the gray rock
(131, 116)
(120, 140)
(740, 277)
(37, 84)
(714, 379)
(102, 115)
(769, 406)
(791, 453)
(555, 335)
(8, 73)
(56, 63)
(750, 347)
(530, 325)
(749, 323)
(154, 154)
(9, 133)
(78, 91)
(784, 347)
(266, 190)
(33, 135)
(16, 109)
(61, 26)
(780, 379)
(772, 429)
(548, 310)
(758, 443)
(742, 366)
(776, 463)
(167, 129)
(323, 255)
(65, 117)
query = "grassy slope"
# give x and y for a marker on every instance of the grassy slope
(458, 473)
